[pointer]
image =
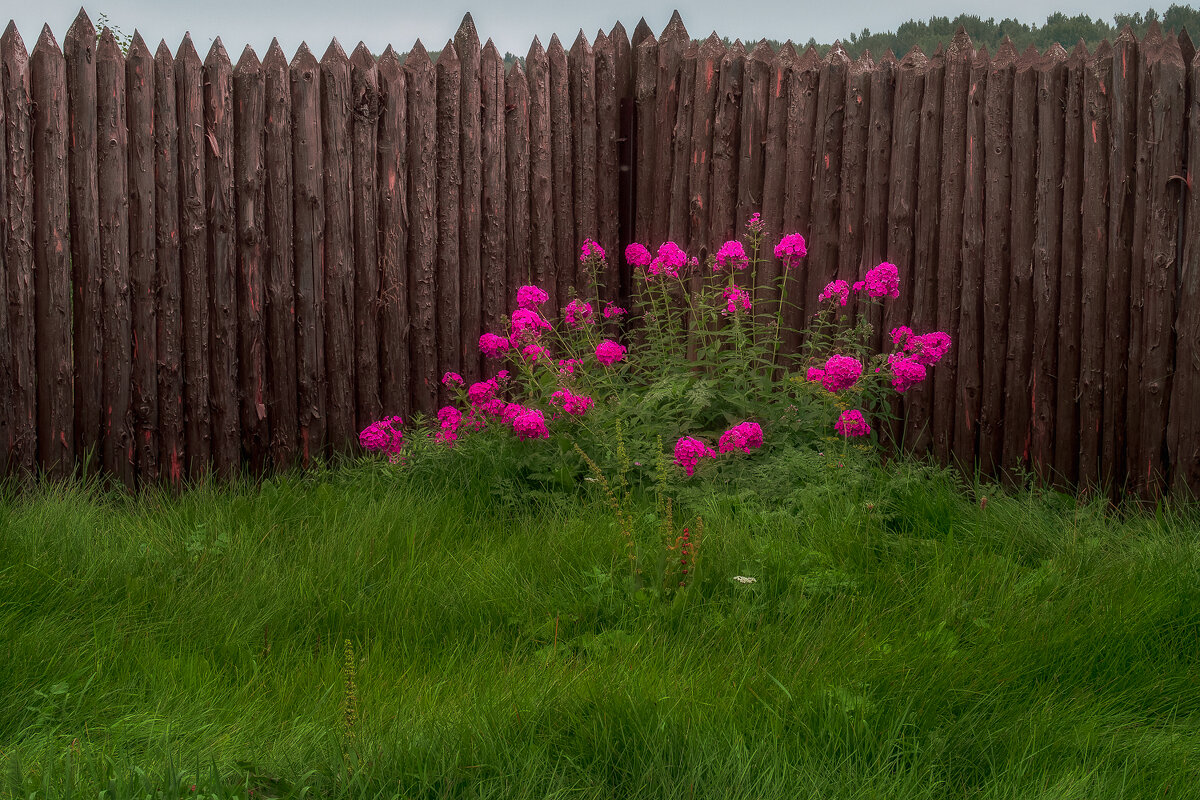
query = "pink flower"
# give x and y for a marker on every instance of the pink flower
(578, 314)
(689, 451)
(502, 377)
(574, 404)
(928, 348)
(527, 324)
(493, 346)
(732, 256)
(901, 334)
(637, 255)
(385, 436)
(755, 224)
(452, 379)
(531, 297)
(531, 425)
(743, 436)
(611, 310)
(840, 372)
(851, 423)
(449, 417)
(790, 250)
(882, 281)
(591, 250)
(906, 371)
(735, 297)
(535, 352)
(482, 391)
(510, 411)
(669, 260)
(609, 352)
(566, 366)
(835, 290)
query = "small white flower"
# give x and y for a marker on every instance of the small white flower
(744, 579)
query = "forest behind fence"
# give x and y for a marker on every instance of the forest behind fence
(210, 265)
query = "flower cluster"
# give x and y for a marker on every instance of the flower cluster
(452, 379)
(637, 255)
(611, 310)
(579, 313)
(668, 261)
(839, 372)
(449, 419)
(591, 249)
(384, 436)
(881, 281)
(609, 352)
(745, 436)
(689, 451)
(916, 353)
(835, 290)
(851, 423)
(574, 404)
(493, 346)
(530, 423)
(732, 255)
(736, 298)
(527, 323)
(790, 250)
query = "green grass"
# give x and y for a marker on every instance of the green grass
(899, 642)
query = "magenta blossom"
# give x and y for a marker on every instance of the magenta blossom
(574, 404)
(882, 281)
(386, 436)
(591, 250)
(839, 372)
(611, 310)
(835, 290)
(535, 352)
(755, 223)
(493, 346)
(669, 260)
(731, 256)
(449, 418)
(907, 372)
(901, 334)
(510, 411)
(637, 255)
(736, 298)
(566, 366)
(452, 379)
(531, 297)
(609, 352)
(578, 314)
(531, 425)
(482, 391)
(689, 451)
(851, 423)
(790, 250)
(928, 348)
(527, 324)
(744, 436)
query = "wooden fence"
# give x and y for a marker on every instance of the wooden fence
(207, 265)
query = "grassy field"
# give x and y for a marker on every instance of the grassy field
(360, 632)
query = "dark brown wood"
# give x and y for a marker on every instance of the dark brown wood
(55, 415)
(645, 54)
(775, 179)
(339, 249)
(1047, 256)
(517, 176)
(1167, 109)
(902, 186)
(724, 224)
(470, 312)
(565, 250)
(706, 83)
(1018, 373)
(1066, 413)
(395, 366)
(756, 88)
(875, 214)
(422, 232)
(112, 153)
(625, 220)
(681, 149)
(797, 205)
(20, 448)
(364, 121)
(449, 167)
(609, 83)
(672, 45)
(543, 270)
(1097, 84)
(493, 197)
(965, 406)
(279, 265)
(168, 286)
(923, 317)
(222, 260)
(1183, 429)
(249, 120)
(822, 261)
(581, 67)
(194, 265)
(950, 231)
(79, 48)
(1121, 221)
(997, 254)
(308, 247)
(7, 356)
(852, 202)
(139, 99)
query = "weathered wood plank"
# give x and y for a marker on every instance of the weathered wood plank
(517, 177)
(364, 180)
(422, 232)
(706, 83)
(280, 275)
(562, 194)
(21, 446)
(645, 54)
(723, 221)
(449, 167)
(7, 355)
(143, 289)
(52, 276)
(493, 197)
(672, 44)
(581, 65)
(681, 152)
(466, 45)
(756, 88)
(395, 366)
(337, 155)
(168, 246)
(112, 180)
(774, 192)
(852, 202)
(249, 162)
(822, 260)
(797, 206)
(879, 151)
(609, 83)
(308, 247)
(621, 276)
(1183, 429)
(541, 195)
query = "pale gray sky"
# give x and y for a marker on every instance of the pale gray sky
(511, 24)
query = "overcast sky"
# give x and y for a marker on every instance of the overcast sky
(509, 23)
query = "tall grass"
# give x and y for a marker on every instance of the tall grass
(898, 641)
